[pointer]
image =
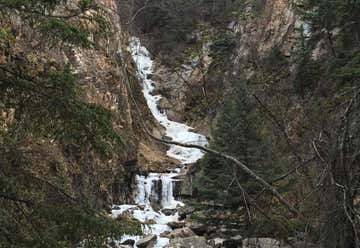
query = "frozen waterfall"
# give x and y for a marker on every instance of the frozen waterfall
(156, 190)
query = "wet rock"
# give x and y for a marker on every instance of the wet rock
(165, 234)
(129, 242)
(181, 233)
(198, 228)
(184, 211)
(176, 224)
(189, 242)
(168, 212)
(260, 243)
(147, 242)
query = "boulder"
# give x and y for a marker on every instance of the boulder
(176, 224)
(114, 244)
(168, 212)
(189, 242)
(147, 242)
(165, 234)
(198, 228)
(184, 211)
(233, 242)
(129, 242)
(181, 233)
(216, 242)
(260, 243)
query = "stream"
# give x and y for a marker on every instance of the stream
(155, 192)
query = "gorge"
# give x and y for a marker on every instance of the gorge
(95, 95)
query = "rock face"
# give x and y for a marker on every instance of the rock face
(147, 242)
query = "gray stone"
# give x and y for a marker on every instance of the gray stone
(260, 243)
(184, 211)
(198, 228)
(216, 242)
(165, 234)
(130, 242)
(189, 242)
(147, 242)
(168, 212)
(181, 233)
(176, 224)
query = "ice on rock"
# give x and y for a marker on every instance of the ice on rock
(146, 190)
(176, 131)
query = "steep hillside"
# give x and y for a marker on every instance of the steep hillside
(70, 135)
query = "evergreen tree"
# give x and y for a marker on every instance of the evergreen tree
(236, 134)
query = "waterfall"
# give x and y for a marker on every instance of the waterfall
(156, 190)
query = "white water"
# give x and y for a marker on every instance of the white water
(148, 190)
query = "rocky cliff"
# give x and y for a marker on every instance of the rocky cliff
(71, 137)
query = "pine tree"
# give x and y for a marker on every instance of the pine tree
(236, 134)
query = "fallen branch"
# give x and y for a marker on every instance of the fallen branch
(240, 164)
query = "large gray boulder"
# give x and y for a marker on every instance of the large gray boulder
(184, 211)
(189, 242)
(176, 224)
(198, 228)
(181, 233)
(260, 243)
(147, 242)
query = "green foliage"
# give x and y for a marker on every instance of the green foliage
(60, 23)
(58, 114)
(56, 29)
(38, 210)
(236, 134)
(345, 68)
(69, 225)
(308, 75)
(328, 15)
(222, 47)
(72, 223)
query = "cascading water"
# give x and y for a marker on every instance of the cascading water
(156, 191)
